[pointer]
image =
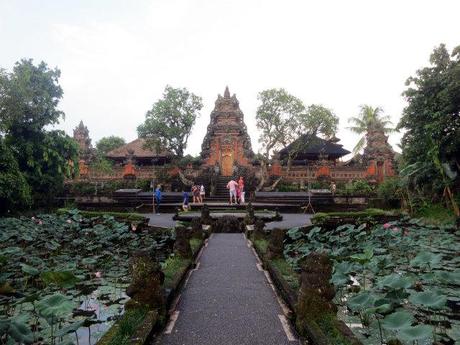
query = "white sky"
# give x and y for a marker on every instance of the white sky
(117, 56)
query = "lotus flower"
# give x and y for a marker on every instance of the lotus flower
(98, 274)
(69, 221)
(40, 222)
(133, 227)
(395, 229)
(386, 225)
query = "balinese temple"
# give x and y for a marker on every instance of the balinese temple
(227, 145)
(138, 153)
(227, 142)
(311, 148)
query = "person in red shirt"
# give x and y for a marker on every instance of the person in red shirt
(241, 190)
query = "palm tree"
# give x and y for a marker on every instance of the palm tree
(368, 118)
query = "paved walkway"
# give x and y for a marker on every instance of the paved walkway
(227, 301)
(290, 220)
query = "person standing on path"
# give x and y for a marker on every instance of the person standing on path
(185, 200)
(232, 186)
(202, 193)
(241, 189)
(158, 197)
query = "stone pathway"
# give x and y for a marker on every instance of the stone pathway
(290, 220)
(228, 301)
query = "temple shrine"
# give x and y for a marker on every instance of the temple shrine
(227, 147)
(227, 142)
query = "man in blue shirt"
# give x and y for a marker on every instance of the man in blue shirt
(158, 199)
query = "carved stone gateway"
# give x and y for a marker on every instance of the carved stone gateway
(227, 142)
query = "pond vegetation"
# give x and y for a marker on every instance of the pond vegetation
(63, 277)
(397, 280)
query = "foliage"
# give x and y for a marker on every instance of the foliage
(369, 118)
(61, 268)
(101, 164)
(120, 216)
(389, 189)
(127, 326)
(168, 124)
(173, 268)
(431, 141)
(282, 118)
(107, 144)
(436, 214)
(29, 97)
(358, 187)
(14, 190)
(396, 279)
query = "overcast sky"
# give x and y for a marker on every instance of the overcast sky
(117, 56)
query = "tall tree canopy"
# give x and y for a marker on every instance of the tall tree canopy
(169, 123)
(107, 144)
(29, 97)
(368, 118)
(431, 120)
(282, 118)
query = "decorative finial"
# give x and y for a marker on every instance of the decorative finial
(226, 93)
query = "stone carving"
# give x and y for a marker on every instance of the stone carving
(227, 136)
(146, 288)
(182, 243)
(81, 136)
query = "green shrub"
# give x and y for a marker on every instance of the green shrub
(358, 187)
(389, 189)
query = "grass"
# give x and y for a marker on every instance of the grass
(261, 245)
(124, 329)
(173, 268)
(327, 325)
(195, 243)
(436, 214)
(289, 275)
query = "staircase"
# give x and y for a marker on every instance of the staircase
(221, 188)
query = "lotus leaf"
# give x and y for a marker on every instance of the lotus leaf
(426, 258)
(20, 331)
(70, 328)
(448, 277)
(30, 270)
(396, 281)
(61, 278)
(418, 332)
(428, 299)
(56, 305)
(398, 320)
(361, 301)
(366, 256)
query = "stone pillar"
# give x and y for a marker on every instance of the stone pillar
(146, 288)
(276, 244)
(182, 243)
(197, 229)
(316, 291)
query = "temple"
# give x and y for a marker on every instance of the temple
(227, 147)
(227, 142)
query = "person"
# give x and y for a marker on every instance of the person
(196, 193)
(202, 193)
(241, 190)
(232, 186)
(158, 197)
(333, 188)
(185, 200)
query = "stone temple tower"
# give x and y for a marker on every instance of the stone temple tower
(81, 136)
(227, 142)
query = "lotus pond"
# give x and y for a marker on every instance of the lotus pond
(396, 283)
(63, 277)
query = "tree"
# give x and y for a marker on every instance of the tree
(169, 123)
(368, 118)
(282, 118)
(29, 97)
(431, 120)
(14, 189)
(108, 144)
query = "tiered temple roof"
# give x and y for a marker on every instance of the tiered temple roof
(137, 151)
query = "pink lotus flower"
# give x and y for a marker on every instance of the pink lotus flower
(395, 229)
(40, 222)
(98, 274)
(386, 225)
(133, 227)
(69, 221)
(33, 218)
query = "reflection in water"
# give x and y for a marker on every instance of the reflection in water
(102, 308)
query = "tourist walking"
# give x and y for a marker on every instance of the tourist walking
(333, 188)
(158, 197)
(185, 200)
(232, 186)
(202, 193)
(241, 190)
